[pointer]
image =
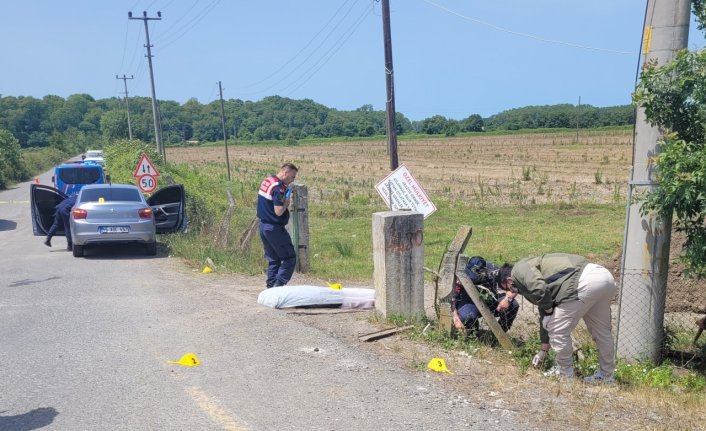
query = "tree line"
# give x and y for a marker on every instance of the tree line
(61, 123)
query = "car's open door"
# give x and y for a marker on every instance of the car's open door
(43, 202)
(169, 208)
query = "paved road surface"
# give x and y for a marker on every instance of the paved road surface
(84, 345)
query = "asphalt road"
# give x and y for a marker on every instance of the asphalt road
(85, 345)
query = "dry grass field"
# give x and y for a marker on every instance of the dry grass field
(488, 170)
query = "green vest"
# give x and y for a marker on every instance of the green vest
(550, 279)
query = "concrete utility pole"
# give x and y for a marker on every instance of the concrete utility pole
(223, 123)
(390, 83)
(155, 111)
(127, 106)
(646, 247)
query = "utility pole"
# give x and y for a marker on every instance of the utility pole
(155, 112)
(578, 111)
(223, 123)
(127, 106)
(645, 263)
(390, 84)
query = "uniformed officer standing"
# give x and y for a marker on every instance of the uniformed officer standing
(273, 211)
(61, 218)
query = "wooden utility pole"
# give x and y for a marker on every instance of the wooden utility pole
(127, 106)
(223, 122)
(390, 84)
(155, 110)
(578, 112)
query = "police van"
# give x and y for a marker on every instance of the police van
(69, 177)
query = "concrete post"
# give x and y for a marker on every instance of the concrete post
(643, 284)
(398, 256)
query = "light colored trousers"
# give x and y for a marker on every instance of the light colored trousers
(595, 291)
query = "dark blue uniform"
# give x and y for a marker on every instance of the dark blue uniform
(469, 313)
(61, 218)
(279, 251)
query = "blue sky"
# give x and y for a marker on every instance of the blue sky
(451, 57)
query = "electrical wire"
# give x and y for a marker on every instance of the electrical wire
(292, 58)
(527, 35)
(175, 25)
(306, 59)
(164, 44)
(351, 30)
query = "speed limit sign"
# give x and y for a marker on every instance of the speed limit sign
(147, 183)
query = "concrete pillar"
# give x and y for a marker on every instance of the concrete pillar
(398, 256)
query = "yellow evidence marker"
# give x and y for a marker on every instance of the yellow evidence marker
(188, 360)
(438, 365)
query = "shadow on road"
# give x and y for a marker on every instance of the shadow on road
(32, 420)
(7, 225)
(120, 251)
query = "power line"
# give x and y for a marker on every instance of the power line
(176, 24)
(527, 35)
(328, 55)
(167, 42)
(294, 57)
(337, 44)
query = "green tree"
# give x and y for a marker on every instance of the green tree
(11, 165)
(674, 98)
(473, 123)
(434, 125)
(113, 125)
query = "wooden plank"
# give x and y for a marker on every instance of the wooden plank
(490, 320)
(300, 218)
(384, 333)
(447, 267)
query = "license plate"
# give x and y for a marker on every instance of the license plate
(113, 229)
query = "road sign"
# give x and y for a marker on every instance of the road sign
(145, 167)
(400, 190)
(147, 183)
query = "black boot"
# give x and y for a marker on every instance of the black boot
(69, 247)
(47, 242)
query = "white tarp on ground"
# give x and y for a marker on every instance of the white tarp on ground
(308, 296)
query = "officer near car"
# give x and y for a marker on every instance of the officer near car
(61, 218)
(273, 201)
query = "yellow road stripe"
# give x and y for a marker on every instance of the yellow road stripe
(215, 411)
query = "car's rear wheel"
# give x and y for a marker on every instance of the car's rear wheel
(151, 248)
(77, 250)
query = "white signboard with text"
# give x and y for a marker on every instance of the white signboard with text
(404, 192)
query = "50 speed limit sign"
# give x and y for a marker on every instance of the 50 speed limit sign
(147, 183)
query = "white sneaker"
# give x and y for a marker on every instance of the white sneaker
(555, 371)
(600, 378)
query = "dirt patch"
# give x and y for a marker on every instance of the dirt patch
(498, 170)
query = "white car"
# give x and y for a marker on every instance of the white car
(96, 160)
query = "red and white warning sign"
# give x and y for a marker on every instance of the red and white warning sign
(147, 183)
(400, 190)
(145, 167)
